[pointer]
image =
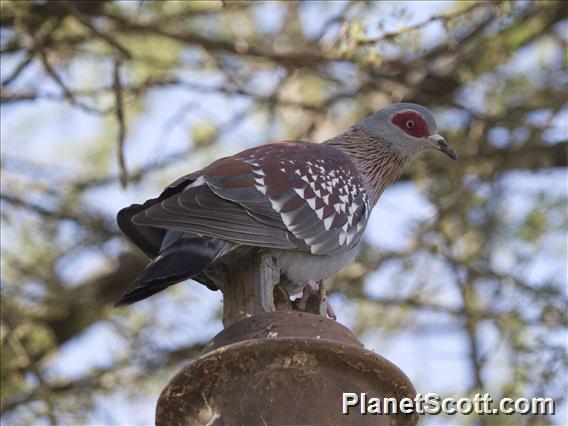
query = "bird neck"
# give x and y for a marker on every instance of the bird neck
(375, 157)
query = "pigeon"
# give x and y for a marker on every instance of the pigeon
(308, 204)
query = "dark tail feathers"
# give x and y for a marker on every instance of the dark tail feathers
(185, 258)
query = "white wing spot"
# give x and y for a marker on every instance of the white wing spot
(197, 182)
(287, 219)
(328, 221)
(353, 208)
(278, 204)
(350, 219)
(350, 237)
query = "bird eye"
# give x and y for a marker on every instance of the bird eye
(410, 124)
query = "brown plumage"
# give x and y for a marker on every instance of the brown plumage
(307, 203)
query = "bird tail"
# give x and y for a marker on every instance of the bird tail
(181, 260)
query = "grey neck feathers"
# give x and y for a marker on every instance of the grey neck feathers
(375, 157)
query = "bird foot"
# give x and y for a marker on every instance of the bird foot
(329, 311)
(310, 289)
(314, 299)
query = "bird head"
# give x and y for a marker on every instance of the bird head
(407, 128)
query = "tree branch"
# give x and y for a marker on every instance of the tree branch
(121, 123)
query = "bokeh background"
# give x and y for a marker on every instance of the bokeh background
(462, 281)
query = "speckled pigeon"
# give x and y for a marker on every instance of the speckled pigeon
(307, 203)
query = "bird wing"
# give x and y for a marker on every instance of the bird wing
(289, 195)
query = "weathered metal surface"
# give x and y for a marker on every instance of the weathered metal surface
(281, 368)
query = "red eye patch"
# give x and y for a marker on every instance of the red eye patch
(412, 123)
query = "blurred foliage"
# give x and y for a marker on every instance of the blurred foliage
(191, 81)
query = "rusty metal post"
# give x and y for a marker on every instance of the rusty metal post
(279, 367)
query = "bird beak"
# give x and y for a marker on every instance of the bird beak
(439, 143)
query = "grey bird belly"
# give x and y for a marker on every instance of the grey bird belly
(300, 267)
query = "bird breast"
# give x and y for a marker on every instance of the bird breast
(300, 267)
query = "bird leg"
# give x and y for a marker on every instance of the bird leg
(314, 299)
(310, 289)
(329, 311)
(325, 308)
